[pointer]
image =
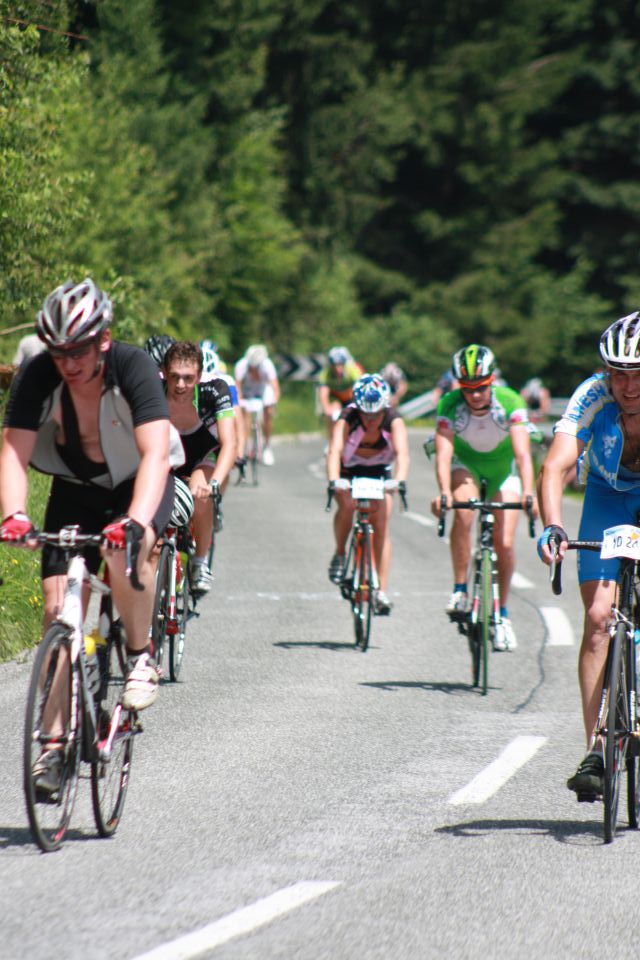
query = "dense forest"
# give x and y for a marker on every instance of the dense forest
(400, 177)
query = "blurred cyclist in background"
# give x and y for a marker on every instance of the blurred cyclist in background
(335, 385)
(395, 377)
(256, 378)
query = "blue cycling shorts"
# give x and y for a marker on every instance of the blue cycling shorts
(603, 507)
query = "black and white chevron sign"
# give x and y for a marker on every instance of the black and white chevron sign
(297, 367)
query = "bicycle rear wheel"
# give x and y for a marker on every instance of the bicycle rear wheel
(184, 609)
(160, 617)
(617, 733)
(110, 777)
(475, 649)
(50, 694)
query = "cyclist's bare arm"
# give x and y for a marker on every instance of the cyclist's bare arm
(400, 439)
(275, 386)
(16, 452)
(335, 450)
(152, 441)
(522, 454)
(323, 399)
(563, 453)
(444, 456)
(227, 453)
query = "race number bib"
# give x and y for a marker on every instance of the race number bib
(621, 541)
(368, 488)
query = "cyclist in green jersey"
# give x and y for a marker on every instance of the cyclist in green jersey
(482, 433)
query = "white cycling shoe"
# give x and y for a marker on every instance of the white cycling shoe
(504, 637)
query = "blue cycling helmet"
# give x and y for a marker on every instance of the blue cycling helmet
(371, 393)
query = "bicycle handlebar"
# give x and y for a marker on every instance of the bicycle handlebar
(555, 567)
(71, 540)
(344, 484)
(485, 506)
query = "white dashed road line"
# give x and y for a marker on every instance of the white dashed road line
(559, 628)
(239, 922)
(489, 780)
(520, 582)
(419, 518)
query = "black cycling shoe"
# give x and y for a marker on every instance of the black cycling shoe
(336, 569)
(587, 781)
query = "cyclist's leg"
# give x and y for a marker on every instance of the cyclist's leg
(504, 533)
(597, 597)
(342, 522)
(463, 487)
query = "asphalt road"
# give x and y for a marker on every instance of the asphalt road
(292, 797)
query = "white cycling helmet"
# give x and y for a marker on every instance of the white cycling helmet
(338, 356)
(620, 343)
(182, 504)
(73, 313)
(256, 354)
(210, 361)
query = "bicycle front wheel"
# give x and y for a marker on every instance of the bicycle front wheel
(362, 595)
(484, 623)
(618, 728)
(110, 771)
(160, 617)
(50, 777)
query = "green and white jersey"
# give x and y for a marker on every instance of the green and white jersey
(482, 443)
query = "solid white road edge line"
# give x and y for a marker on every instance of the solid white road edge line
(558, 625)
(239, 922)
(489, 780)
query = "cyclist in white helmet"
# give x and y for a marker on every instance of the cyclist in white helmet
(91, 413)
(256, 378)
(600, 429)
(335, 385)
(369, 438)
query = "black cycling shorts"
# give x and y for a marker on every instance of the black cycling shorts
(92, 508)
(381, 471)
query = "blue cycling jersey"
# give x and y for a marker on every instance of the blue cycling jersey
(593, 416)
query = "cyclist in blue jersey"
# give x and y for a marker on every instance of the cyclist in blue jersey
(600, 429)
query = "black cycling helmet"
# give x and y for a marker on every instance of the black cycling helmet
(157, 345)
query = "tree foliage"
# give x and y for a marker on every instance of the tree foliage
(399, 178)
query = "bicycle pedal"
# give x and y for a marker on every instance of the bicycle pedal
(587, 796)
(458, 616)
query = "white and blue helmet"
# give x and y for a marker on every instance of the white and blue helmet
(371, 393)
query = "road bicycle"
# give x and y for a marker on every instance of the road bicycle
(617, 729)
(360, 582)
(254, 406)
(83, 690)
(480, 622)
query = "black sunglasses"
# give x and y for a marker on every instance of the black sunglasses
(74, 354)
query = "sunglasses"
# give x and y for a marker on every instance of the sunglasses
(75, 354)
(479, 389)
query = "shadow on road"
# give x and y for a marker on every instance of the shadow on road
(563, 831)
(428, 685)
(322, 645)
(22, 837)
